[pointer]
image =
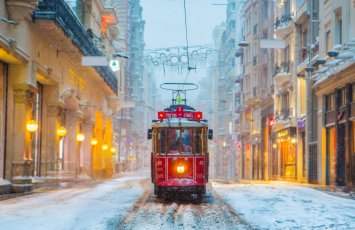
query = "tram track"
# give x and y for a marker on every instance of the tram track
(209, 212)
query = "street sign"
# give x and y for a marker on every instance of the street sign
(272, 43)
(94, 61)
(114, 65)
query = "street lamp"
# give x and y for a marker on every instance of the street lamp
(104, 147)
(80, 137)
(32, 126)
(61, 132)
(93, 143)
(113, 149)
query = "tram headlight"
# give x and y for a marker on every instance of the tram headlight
(180, 169)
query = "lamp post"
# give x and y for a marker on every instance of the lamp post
(31, 127)
(93, 143)
(80, 137)
(61, 132)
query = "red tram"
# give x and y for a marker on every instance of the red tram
(179, 158)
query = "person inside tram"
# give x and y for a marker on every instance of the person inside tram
(174, 141)
(186, 141)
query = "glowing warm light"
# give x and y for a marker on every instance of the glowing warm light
(293, 140)
(198, 115)
(180, 169)
(31, 126)
(61, 131)
(113, 149)
(80, 137)
(161, 115)
(104, 147)
(274, 145)
(131, 157)
(93, 141)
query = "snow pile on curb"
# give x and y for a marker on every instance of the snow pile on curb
(280, 206)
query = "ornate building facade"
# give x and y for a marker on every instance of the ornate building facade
(55, 113)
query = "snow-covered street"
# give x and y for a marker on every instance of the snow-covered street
(128, 203)
(206, 213)
(283, 206)
(100, 206)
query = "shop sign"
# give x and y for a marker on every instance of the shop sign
(301, 123)
(283, 133)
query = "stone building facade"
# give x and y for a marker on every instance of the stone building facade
(52, 106)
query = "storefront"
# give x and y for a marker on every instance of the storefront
(284, 149)
(339, 121)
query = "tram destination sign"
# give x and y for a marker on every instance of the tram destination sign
(188, 115)
(180, 113)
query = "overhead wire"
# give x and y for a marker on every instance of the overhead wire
(187, 46)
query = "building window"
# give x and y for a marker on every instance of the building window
(342, 101)
(286, 10)
(286, 54)
(302, 94)
(327, 41)
(338, 27)
(330, 102)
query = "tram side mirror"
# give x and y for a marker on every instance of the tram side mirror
(150, 131)
(210, 134)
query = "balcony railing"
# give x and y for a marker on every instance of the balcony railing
(282, 21)
(59, 12)
(284, 67)
(284, 114)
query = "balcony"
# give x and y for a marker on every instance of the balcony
(282, 73)
(251, 98)
(284, 118)
(239, 78)
(283, 26)
(301, 12)
(61, 14)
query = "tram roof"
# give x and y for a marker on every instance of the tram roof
(177, 122)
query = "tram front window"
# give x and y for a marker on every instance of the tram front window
(186, 136)
(174, 141)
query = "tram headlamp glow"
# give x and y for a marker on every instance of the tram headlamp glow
(180, 169)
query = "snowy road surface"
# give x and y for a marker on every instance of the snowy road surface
(206, 213)
(128, 203)
(282, 206)
(96, 207)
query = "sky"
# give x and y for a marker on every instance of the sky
(165, 21)
(165, 27)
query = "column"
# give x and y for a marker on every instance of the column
(50, 141)
(87, 157)
(70, 149)
(20, 140)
